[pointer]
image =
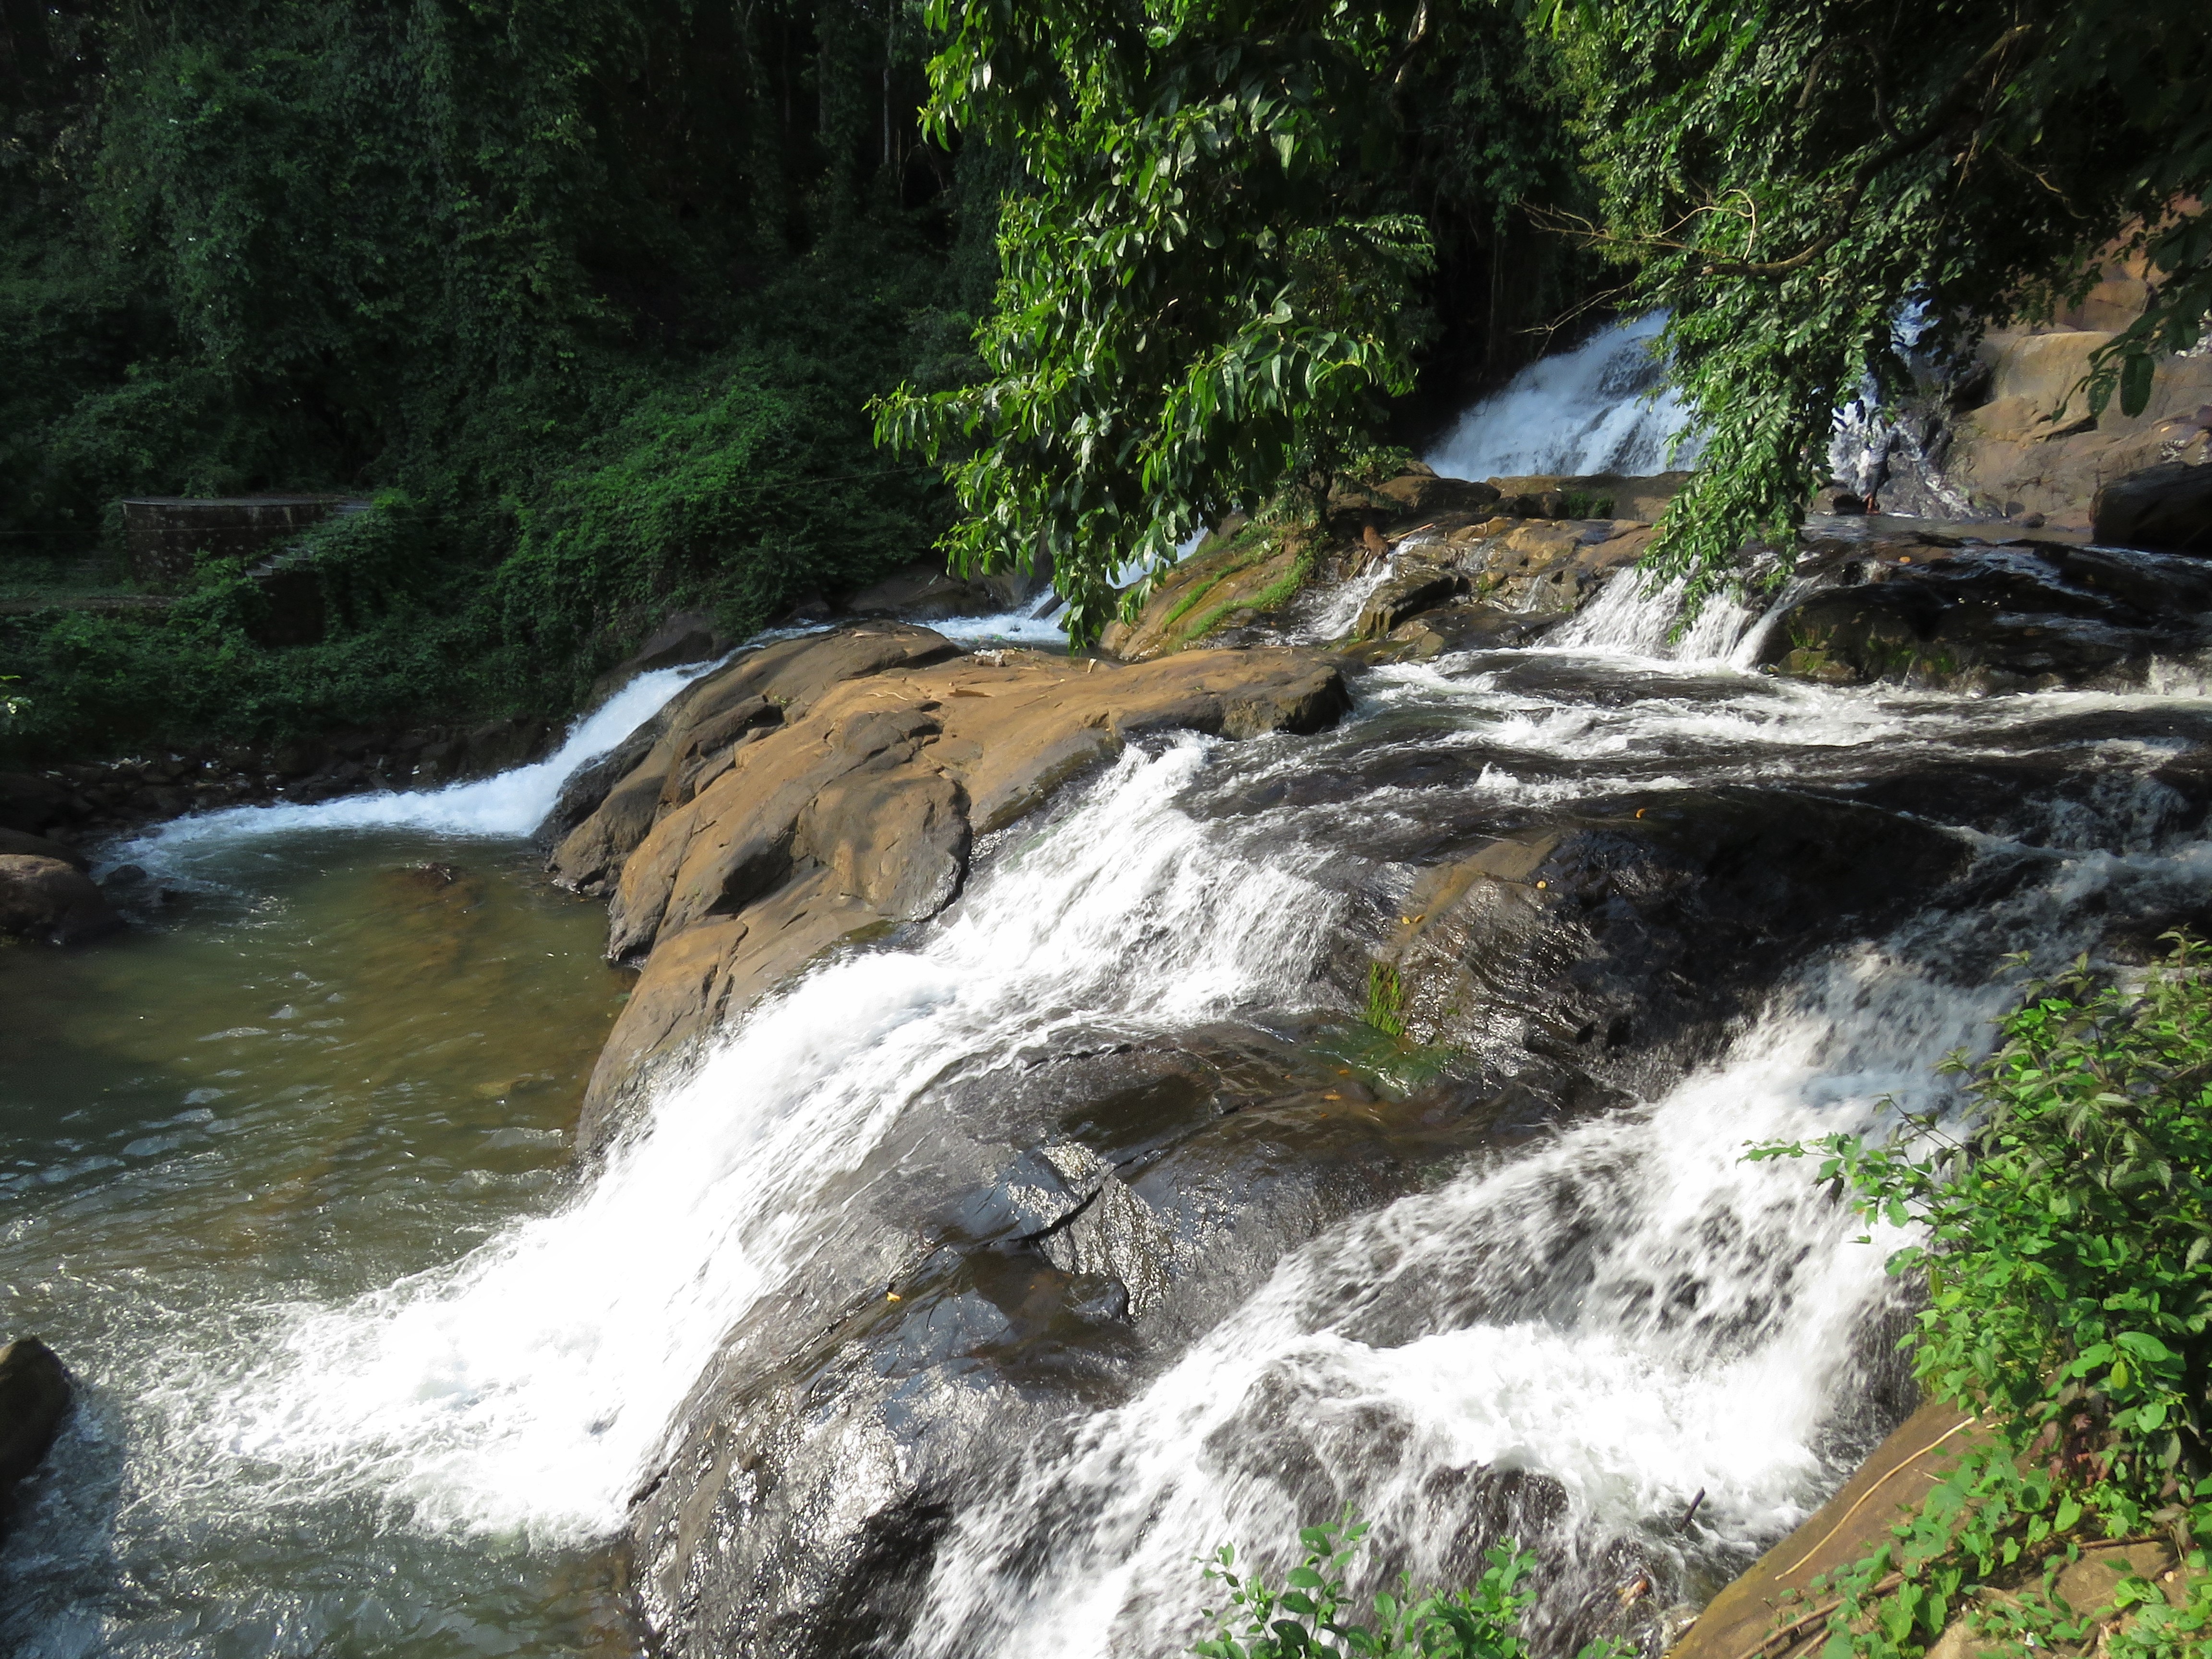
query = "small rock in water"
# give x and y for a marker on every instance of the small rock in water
(34, 1398)
(47, 899)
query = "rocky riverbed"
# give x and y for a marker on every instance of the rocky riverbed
(1064, 1114)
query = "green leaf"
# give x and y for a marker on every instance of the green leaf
(2136, 371)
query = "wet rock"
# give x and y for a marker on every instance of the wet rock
(1928, 611)
(19, 844)
(1641, 498)
(1620, 945)
(1415, 492)
(51, 901)
(34, 1399)
(1542, 568)
(898, 844)
(2167, 507)
(704, 726)
(1110, 1233)
(1422, 587)
(589, 786)
(1225, 581)
(1068, 1226)
(813, 1476)
(855, 813)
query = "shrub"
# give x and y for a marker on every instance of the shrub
(1309, 1617)
(2067, 1257)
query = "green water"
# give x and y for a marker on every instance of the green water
(346, 1058)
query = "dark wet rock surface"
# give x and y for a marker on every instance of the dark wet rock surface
(1931, 610)
(2168, 506)
(34, 1398)
(1043, 1237)
(51, 901)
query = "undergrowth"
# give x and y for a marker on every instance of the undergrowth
(2067, 1257)
(1311, 1614)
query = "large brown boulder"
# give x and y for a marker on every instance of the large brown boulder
(34, 1398)
(47, 899)
(2032, 446)
(25, 845)
(739, 850)
(606, 811)
(2167, 508)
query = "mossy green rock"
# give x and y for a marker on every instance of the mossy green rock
(1254, 570)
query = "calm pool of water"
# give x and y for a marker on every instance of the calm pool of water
(343, 1059)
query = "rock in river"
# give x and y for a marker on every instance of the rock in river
(34, 1398)
(48, 899)
(825, 789)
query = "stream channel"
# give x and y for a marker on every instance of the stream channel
(367, 1367)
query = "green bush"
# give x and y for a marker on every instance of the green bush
(1308, 1616)
(2066, 1261)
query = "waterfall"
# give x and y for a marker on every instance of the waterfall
(1563, 1335)
(529, 1388)
(1631, 1315)
(1582, 411)
(510, 803)
(1639, 615)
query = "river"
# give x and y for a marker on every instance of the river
(367, 1368)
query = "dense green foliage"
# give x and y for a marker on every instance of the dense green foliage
(1209, 281)
(592, 296)
(1788, 179)
(1212, 281)
(600, 298)
(1308, 1616)
(2067, 1255)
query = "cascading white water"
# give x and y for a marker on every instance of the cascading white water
(529, 1388)
(1580, 411)
(1633, 1315)
(1638, 616)
(1629, 1416)
(1622, 1314)
(510, 803)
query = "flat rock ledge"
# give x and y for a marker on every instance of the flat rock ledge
(827, 788)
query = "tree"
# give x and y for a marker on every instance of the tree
(1788, 179)
(1205, 278)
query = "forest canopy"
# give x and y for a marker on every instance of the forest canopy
(631, 304)
(1210, 288)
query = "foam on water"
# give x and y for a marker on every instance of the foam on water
(529, 1388)
(1038, 624)
(1580, 411)
(509, 804)
(1631, 1315)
